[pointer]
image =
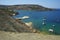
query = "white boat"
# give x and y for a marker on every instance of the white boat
(51, 30)
(25, 17)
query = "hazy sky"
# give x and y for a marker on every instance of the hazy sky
(46, 3)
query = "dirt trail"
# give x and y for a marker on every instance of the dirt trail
(27, 36)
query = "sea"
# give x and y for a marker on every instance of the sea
(44, 21)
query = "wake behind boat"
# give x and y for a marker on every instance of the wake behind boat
(24, 17)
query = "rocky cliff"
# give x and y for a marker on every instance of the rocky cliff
(7, 23)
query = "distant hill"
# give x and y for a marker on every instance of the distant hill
(26, 7)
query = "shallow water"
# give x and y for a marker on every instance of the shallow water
(36, 17)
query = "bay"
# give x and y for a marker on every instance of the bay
(36, 17)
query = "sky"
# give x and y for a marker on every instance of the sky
(45, 3)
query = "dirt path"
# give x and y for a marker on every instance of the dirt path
(27, 36)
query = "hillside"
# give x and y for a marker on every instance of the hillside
(26, 7)
(9, 24)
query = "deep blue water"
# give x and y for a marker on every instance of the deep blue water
(36, 17)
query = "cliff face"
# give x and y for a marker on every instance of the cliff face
(27, 7)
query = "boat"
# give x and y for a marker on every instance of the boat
(51, 30)
(24, 17)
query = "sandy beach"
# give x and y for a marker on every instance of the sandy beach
(27, 36)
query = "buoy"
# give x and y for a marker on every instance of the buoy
(43, 23)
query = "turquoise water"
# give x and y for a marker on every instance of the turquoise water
(36, 17)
